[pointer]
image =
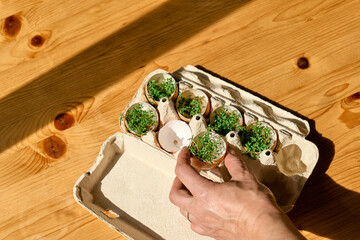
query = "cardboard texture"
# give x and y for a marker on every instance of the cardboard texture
(129, 183)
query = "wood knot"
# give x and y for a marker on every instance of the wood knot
(64, 121)
(351, 116)
(303, 63)
(12, 25)
(355, 96)
(54, 147)
(37, 41)
(351, 101)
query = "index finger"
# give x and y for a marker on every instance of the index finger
(188, 175)
(235, 165)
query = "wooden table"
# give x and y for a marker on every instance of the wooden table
(68, 68)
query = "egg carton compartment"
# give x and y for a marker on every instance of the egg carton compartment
(140, 159)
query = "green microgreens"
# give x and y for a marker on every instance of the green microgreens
(255, 138)
(139, 121)
(188, 107)
(205, 148)
(226, 121)
(163, 89)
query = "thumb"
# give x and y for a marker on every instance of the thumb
(192, 180)
(235, 166)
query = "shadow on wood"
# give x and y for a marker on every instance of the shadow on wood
(323, 201)
(105, 63)
(324, 208)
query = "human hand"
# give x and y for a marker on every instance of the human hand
(242, 208)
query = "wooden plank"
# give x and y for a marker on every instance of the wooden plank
(61, 38)
(94, 56)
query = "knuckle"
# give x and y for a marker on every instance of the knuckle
(172, 197)
(177, 170)
(203, 193)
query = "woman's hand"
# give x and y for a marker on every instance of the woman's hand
(240, 209)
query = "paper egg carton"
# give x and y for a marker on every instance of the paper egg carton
(128, 185)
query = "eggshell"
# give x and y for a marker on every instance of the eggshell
(174, 136)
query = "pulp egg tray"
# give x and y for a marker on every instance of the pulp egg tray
(128, 186)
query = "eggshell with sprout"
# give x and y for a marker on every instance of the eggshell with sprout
(221, 151)
(145, 107)
(226, 109)
(274, 135)
(174, 136)
(159, 78)
(192, 93)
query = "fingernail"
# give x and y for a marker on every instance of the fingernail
(186, 149)
(231, 150)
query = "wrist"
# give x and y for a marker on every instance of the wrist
(275, 224)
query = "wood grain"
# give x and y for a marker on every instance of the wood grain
(87, 58)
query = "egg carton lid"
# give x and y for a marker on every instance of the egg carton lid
(129, 190)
